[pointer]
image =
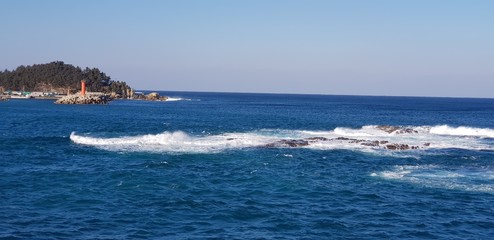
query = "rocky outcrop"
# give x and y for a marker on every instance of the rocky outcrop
(374, 144)
(86, 99)
(288, 143)
(154, 96)
(396, 130)
(291, 143)
(400, 147)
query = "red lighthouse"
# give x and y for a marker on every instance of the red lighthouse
(83, 87)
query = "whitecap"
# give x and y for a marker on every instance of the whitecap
(462, 131)
(423, 138)
(434, 176)
(173, 99)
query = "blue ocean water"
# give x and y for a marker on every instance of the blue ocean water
(243, 166)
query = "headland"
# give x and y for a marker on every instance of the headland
(67, 84)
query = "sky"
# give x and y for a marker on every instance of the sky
(439, 48)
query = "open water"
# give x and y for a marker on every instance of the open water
(248, 166)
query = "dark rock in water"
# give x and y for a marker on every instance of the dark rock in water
(371, 143)
(388, 129)
(295, 143)
(317, 139)
(391, 146)
(229, 139)
(397, 130)
(406, 130)
(397, 146)
(289, 143)
(343, 138)
(427, 144)
(363, 142)
(270, 145)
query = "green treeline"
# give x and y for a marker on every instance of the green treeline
(58, 76)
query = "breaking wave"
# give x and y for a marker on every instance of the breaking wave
(368, 138)
(462, 131)
(174, 99)
(174, 142)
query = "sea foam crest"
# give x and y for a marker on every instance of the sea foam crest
(462, 131)
(178, 142)
(435, 176)
(173, 99)
(362, 139)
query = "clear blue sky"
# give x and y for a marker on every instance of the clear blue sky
(378, 47)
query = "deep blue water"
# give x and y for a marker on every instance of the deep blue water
(199, 168)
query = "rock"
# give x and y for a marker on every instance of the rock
(344, 139)
(388, 129)
(427, 144)
(289, 143)
(391, 146)
(397, 130)
(406, 130)
(397, 146)
(371, 143)
(115, 95)
(315, 139)
(154, 96)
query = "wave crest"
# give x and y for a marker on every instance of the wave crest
(462, 131)
(178, 142)
(367, 138)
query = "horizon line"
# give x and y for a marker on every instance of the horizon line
(315, 94)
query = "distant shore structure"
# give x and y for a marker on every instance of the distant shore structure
(57, 79)
(83, 98)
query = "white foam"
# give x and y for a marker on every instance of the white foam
(173, 99)
(178, 142)
(349, 132)
(462, 131)
(341, 138)
(434, 176)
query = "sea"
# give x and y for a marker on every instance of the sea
(248, 166)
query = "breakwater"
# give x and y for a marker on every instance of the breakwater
(84, 99)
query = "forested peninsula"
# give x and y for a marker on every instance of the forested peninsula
(61, 78)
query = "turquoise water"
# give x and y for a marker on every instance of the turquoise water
(218, 165)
